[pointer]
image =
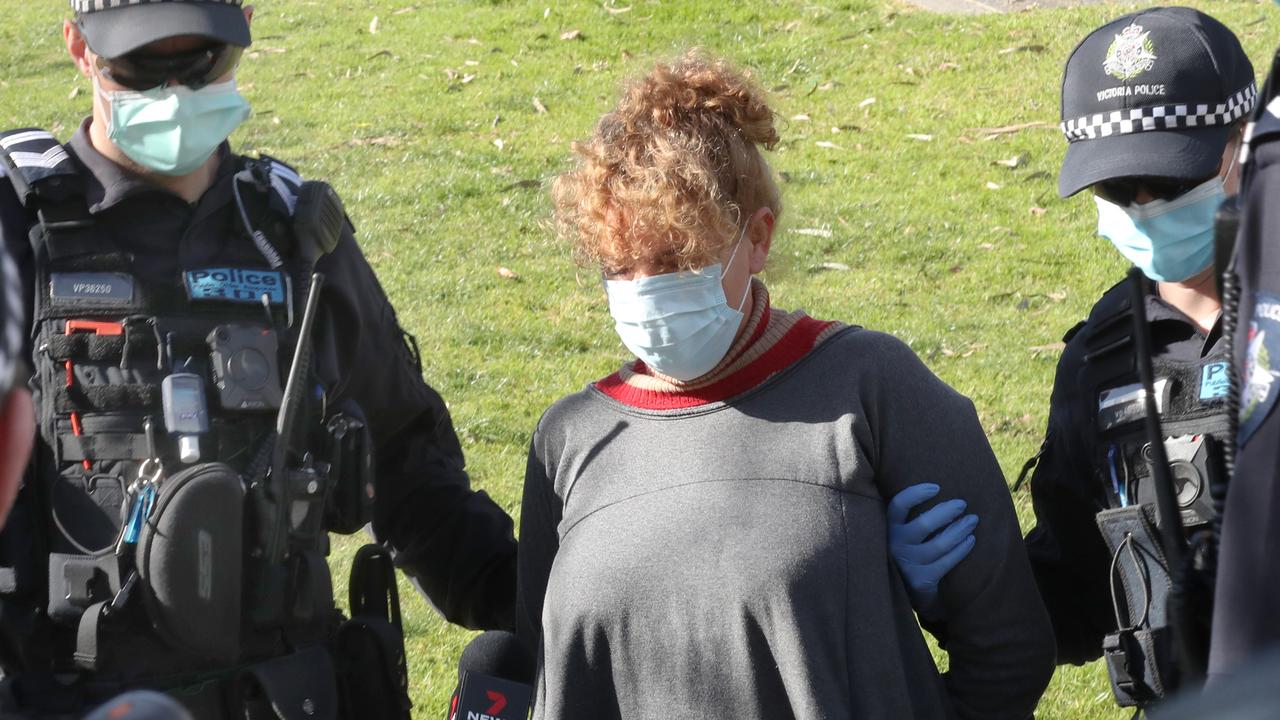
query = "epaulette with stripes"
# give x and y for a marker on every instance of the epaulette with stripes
(285, 185)
(37, 164)
(1267, 124)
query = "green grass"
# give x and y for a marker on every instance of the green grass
(405, 121)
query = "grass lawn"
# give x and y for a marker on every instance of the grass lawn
(440, 123)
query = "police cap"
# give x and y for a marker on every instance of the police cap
(1152, 94)
(116, 27)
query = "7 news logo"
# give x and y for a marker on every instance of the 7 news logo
(499, 702)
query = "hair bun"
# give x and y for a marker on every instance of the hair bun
(696, 91)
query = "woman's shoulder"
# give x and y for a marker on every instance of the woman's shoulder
(871, 349)
(583, 406)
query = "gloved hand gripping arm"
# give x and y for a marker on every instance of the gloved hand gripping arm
(927, 547)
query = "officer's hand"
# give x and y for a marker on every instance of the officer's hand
(931, 544)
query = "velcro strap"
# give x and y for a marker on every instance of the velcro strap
(105, 446)
(99, 348)
(86, 655)
(128, 396)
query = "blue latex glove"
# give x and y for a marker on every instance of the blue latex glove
(931, 544)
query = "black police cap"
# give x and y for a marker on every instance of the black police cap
(1152, 94)
(116, 27)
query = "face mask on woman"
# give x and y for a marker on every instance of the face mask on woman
(680, 324)
(173, 130)
(1169, 240)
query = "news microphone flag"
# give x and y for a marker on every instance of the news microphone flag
(483, 697)
(495, 679)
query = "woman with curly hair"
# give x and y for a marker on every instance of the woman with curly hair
(705, 531)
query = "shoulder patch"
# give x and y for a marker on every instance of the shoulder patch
(1261, 369)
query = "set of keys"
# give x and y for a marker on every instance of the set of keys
(143, 490)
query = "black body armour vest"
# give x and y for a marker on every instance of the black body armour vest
(1191, 399)
(165, 535)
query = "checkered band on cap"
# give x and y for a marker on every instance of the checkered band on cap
(11, 320)
(1161, 117)
(88, 6)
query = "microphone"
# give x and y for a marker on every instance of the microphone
(495, 679)
(140, 705)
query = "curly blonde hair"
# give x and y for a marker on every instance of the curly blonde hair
(670, 175)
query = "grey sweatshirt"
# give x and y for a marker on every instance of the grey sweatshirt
(731, 560)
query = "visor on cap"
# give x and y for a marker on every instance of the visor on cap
(116, 31)
(1177, 154)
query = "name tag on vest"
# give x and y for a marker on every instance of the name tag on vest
(236, 285)
(97, 288)
(1127, 403)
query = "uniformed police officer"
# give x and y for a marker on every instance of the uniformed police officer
(1245, 622)
(1152, 107)
(199, 324)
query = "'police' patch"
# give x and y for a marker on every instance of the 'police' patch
(106, 288)
(1260, 372)
(1214, 382)
(237, 285)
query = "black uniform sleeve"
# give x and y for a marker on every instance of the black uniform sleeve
(455, 543)
(540, 513)
(989, 618)
(1068, 555)
(1245, 620)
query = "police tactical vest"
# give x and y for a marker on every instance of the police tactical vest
(171, 531)
(1190, 397)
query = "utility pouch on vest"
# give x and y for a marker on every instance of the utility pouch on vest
(1139, 655)
(350, 455)
(1131, 662)
(370, 646)
(189, 557)
(296, 687)
(78, 581)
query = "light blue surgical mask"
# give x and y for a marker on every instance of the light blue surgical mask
(173, 130)
(680, 324)
(1169, 240)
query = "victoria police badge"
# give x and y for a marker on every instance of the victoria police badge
(1260, 372)
(1131, 54)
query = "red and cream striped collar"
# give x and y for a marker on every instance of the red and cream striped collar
(771, 341)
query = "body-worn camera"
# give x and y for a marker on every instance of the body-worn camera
(246, 366)
(1188, 467)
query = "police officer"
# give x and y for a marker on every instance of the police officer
(1245, 621)
(1152, 107)
(202, 324)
